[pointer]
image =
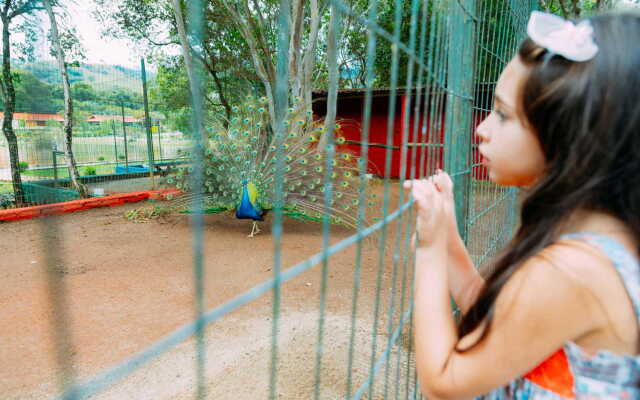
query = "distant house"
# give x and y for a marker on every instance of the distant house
(128, 120)
(33, 120)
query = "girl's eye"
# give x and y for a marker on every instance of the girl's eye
(501, 115)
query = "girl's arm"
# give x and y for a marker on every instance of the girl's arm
(465, 282)
(541, 307)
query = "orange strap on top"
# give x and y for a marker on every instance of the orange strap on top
(554, 375)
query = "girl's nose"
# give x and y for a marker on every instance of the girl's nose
(482, 130)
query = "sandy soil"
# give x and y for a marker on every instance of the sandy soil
(129, 284)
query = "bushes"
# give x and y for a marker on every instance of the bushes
(89, 171)
(7, 200)
(23, 166)
(101, 158)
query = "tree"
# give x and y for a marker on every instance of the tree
(10, 12)
(68, 102)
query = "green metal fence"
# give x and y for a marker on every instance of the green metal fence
(453, 52)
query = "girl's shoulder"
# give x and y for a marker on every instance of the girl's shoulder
(606, 268)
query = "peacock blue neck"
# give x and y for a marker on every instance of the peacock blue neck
(249, 208)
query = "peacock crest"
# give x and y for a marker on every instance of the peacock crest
(240, 167)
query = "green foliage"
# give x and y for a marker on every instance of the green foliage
(34, 94)
(90, 170)
(101, 158)
(23, 166)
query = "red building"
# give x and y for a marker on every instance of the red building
(424, 136)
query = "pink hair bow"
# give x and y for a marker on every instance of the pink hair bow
(559, 36)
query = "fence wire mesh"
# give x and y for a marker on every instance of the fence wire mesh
(402, 103)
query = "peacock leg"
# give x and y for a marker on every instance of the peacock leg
(254, 229)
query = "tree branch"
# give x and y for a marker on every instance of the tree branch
(26, 7)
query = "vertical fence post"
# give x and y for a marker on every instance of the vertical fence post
(147, 124)
(115, 143)
(124, 132)
(460, 80)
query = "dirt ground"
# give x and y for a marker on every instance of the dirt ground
(129, 284)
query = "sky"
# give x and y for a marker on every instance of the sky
(98, 50)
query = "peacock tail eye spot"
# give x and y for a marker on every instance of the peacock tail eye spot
(298, 183)
(238, 158)
(303, 161)
(263, 99)
(245, 134)
(345, 156)
(261, 110)
(370, 204)
(286, 123)
(300, 122)
(318, 215)
(333, 175)
(318, 169)
(309, 112)
(209, 171)
(246, 121)
(190, 169)
(288, 158)
(169, 197)
(293, 135)
(254, 153)
(170, 181)
(339, 195)
(311, 186)
(318, 156)
(304, 172)
(272, 148)
(313, 198)
(312, 139)
(287, 169)
(208, 152)
(345, 184)
(292, 188)
(373, 196)
(285, 146)
(340, 140)
(290, 110)
(179, 185)
(235, 120)
(317, 181)
(250, 107)
(302, 150)
(221, 168)
(334, 163)
(346, 207)
(347, 174)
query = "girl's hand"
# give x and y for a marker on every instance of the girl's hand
(433, 201)
(444, 184)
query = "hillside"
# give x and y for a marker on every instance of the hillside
(100, 76)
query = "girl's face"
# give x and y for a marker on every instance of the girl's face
(510, 150)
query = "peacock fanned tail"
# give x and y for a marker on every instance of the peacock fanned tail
(246, 153)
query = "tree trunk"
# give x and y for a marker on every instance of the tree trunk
(9, 94)
(68, 104)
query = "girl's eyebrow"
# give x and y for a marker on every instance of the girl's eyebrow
(499, 99)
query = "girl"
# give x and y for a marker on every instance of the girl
(558, 316)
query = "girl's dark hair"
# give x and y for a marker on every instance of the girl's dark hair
(587, 118)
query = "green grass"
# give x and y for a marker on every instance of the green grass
(6, 188)
(63, 172)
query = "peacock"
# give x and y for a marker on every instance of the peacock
(240, 169)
